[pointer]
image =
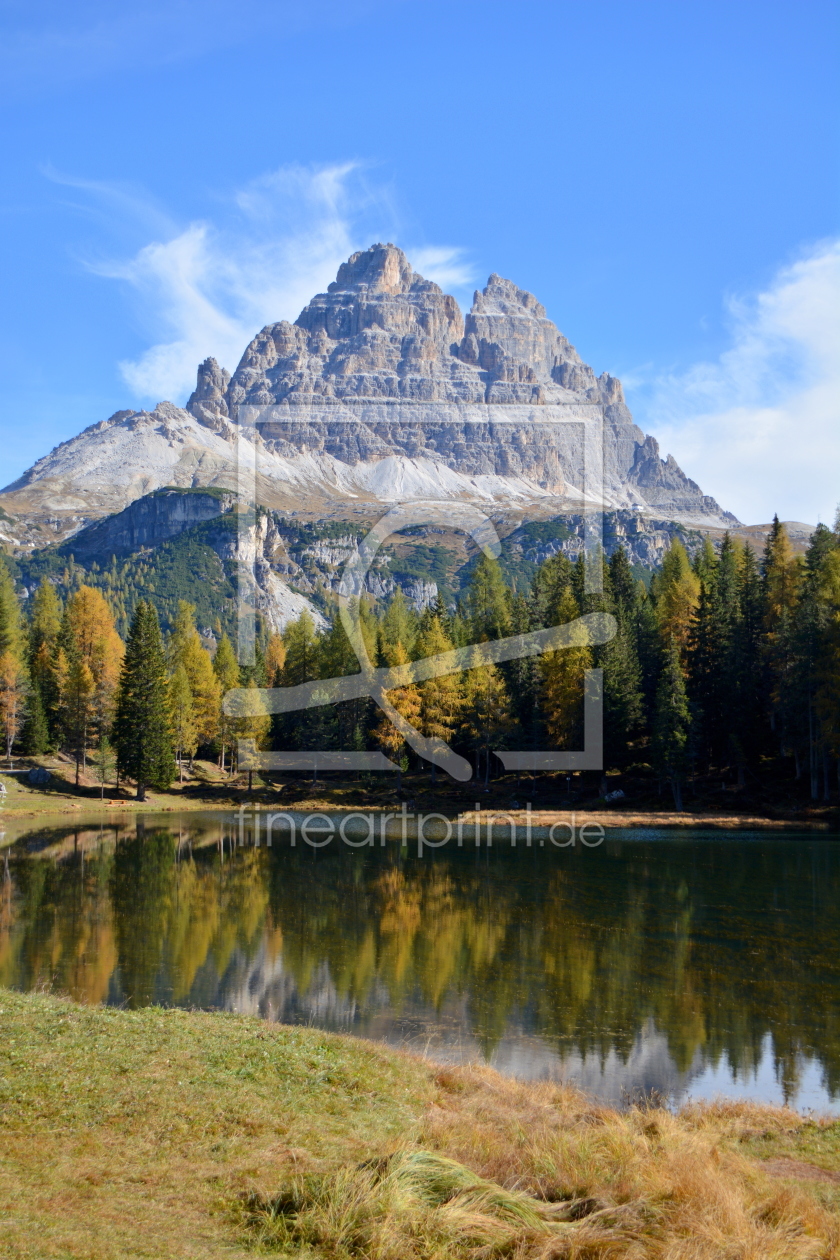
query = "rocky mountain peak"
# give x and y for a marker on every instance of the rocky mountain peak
(379, 391)
(208, 400)
(503, 297)
(381, 269)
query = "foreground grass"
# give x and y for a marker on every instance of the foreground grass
(173, 1134)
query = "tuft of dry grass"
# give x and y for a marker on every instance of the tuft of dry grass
(174, 1134)
(497, 1167)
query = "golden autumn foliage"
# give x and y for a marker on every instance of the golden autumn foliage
(93, 639)
(677, 596)
(12, 697)
(563, 676)
(406, 701)
(186, 651)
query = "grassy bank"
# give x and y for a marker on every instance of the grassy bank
(550, 799)
(173, 1134)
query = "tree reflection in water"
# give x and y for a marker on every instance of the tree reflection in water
(714, 943)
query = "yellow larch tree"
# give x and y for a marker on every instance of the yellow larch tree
(92, 639)
(441, 698)
(563, 678)
(406, 701)
(187, 651)
(677, 596)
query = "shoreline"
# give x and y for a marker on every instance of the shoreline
(206, 791)
(289, 1139)
(543, 819)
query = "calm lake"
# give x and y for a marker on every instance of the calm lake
(692, 963)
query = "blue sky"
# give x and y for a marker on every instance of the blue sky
(662, 176)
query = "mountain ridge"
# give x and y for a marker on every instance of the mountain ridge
(380, 391)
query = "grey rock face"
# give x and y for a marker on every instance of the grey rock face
(147, 522)
(380, 392)
(207, 401)
(383, 364)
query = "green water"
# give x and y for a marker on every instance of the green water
(687, 962)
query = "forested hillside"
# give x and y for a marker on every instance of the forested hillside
(726, 663)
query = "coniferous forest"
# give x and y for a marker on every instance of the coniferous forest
(726, 668)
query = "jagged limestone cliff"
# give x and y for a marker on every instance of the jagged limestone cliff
(379, 392)
(383, 366)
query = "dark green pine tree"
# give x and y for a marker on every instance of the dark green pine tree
(624, 708)
(44, 629)
(11, 637)
(578, 582)
(302, 730)
(486, 609)
(706, 651)
(523, 680)
(729, 612)
(622, 585)
(647, 644)
(748, 703)
(550, 581)
(142, 732)
(672, 724)
(623, 697)
(811, 621)
(35, 738)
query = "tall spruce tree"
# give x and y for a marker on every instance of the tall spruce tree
(811, 620)
(142, 729)
(11, 630)
(551, 580)
(523, 683)
(226, 670)
(624, 708)
(302, 730)
(747, 704)
(672, 724)
(622, 584)
(712, 681)
(486, 713)
(35, 738)
(623, 696)
(399, 624)
(44, 631)
(828, 686)
(486, 608)
(781, 574)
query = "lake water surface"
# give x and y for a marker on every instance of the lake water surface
(691, 963)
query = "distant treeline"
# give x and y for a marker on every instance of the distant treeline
(726, 659)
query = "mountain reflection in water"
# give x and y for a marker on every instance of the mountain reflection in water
(684, 963)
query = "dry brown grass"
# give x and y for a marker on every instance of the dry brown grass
(168, 1134)
(501, 1168)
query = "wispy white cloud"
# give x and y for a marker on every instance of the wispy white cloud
(759, 428)
(444, 264)
(207, 288)
(114, 203)
(210, 288)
